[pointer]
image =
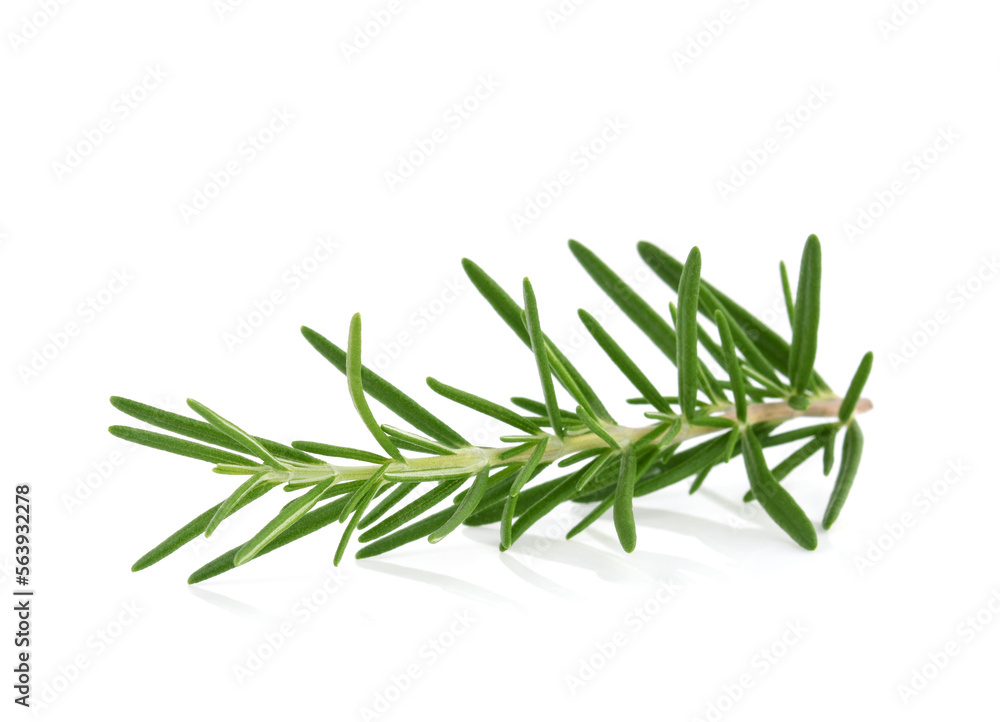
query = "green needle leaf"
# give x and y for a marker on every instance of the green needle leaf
(596, 513)
(687, 333)
(201, 430)
(537, 407)
(339, 452)
(412, 510)
(703, 474)
(416, 442)
(732, 366)
(555, 494)
(354, 384)
(235, 433)
(805, 330)
(387, 394)
(634, 306)
(476, 403)
(828, 454)
(766, 351)
(786, 288)
(523, 475)
(849, 462)
(353, 524)
(395, 496)
(417, 530)
(734, 437)
(227, 507)
(793, 461)
(623, 514)
(311, 522)
(592, 471)
(465, 508)
(511, 313)
(623, 361)
(181, 447)
(541, 358)
(192, 530)
(285, 518)
(777, 502)
(595, 426)
(362, 492)
(857, 386)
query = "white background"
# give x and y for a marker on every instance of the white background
(697, 90)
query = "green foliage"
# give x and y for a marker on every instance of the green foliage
(766, 382)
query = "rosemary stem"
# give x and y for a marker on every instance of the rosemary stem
(474, 458)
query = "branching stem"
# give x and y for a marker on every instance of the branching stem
(472, 459)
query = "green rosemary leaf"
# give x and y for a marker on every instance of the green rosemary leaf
(703, 474)
(805, 330)
(190, 531)
(596, 513)
(497, 487)
(416, 442)
(490, 510)
(623, 514)
(716, 422)
(226, 508)
(505, 306)
(687, 333)
(387, 394)
(634, 306)
(714, 349)
(555, 496)
(353, 524)
(766, 349)
(786, 289)
(340, 452)
(623, 361)
(793, 461)
(684, 464)
(644, 400)
(828, 454)
(853, 394)
(201, 430)
(777, 502)
(395, 496)
(235, 433)
(734, 437)
(595, 426)
(525, 473)
(465, 509)
(672, 431)
(444, 474)
(538, 407)
(541, 359)
(732, 365)
(285, 518)
(362, 492)
(518, 450)
(174, 445)
(803, 433)
(850, 459)
(356, 388)
(591, 471)
(412, 510)
(311, 522)
(511, 313)
(580, 456)
(417, 530)
(476, 403)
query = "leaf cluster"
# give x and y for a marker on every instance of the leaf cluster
(427, 481)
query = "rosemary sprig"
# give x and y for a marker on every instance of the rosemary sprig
(768, 381)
